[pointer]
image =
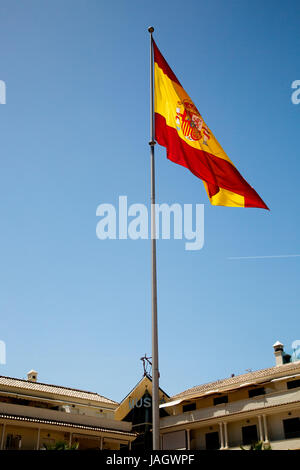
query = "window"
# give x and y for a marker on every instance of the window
(249, 434)
(212, 441)
(291, 428)
(220, 400)
(293, 384)
(255, 392)
(189, 407)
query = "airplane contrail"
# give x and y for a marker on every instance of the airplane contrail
(263, 257)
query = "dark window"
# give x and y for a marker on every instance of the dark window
(212, 441)
(189, 407)
(293, 384)
(13, 442)
(249, 434)
(219, 400)
(256, 391)
(291, 428)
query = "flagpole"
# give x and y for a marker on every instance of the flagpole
(155, 373)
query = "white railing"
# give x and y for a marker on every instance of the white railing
(258, 403)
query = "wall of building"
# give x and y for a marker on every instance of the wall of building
(233, 396)
(28, 436)
(275, 424)
(100, 421)
(197, 436)
(90, 411)
(234, 429)
(50, 437)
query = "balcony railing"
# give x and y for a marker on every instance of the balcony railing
(42, 413)
(258, 403)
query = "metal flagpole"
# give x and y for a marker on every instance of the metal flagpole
(155, 373)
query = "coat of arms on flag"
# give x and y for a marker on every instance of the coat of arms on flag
(189, 120)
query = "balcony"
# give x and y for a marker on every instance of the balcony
(260, 403)
(42, 413)
(282, 444)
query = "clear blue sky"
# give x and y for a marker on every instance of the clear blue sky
(74, 134)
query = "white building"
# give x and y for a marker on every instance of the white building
(34, 415)
(226, 414)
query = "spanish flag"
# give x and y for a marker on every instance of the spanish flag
(189, 142)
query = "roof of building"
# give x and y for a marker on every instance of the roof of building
(65, 424)
(143, 386)
(237, 381)
(54, 389)
(146, 378)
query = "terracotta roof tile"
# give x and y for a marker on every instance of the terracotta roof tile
(54, 389)
(271, 372)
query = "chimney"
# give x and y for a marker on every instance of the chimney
(278, 353)
(32, 376)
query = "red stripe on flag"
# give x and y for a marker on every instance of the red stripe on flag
(217, 172)
(162, 63)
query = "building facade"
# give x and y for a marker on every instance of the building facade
(238, 411)
(34, 415)
(231, 413)
(136, 408)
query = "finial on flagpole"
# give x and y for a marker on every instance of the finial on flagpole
(150, 29)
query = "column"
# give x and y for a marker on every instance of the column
(266, 428)
(101, 443)
(188, 439)
(2, 436)
(38, 439)
(70, 439)
(221, 436)
(260, 428)
(129, 445)
(225, 436)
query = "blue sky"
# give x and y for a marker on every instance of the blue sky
(74, 134)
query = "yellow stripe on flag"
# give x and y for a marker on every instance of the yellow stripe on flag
(168, 96)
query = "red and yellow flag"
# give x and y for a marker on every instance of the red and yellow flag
(189, 142)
